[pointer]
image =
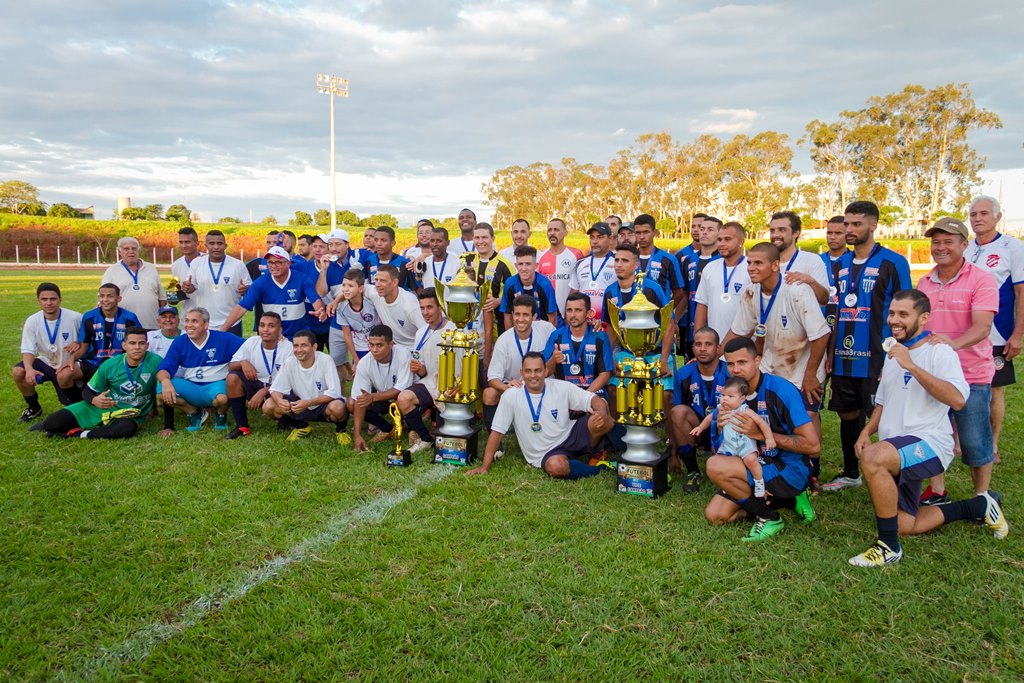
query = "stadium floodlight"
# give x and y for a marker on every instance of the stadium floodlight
(332, 86)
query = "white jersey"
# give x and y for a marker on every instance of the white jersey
(427, 351)
(319, 379)
(591, 276)
(794, 321)
(46, 339)
(1004, 258)
(402, 315)
(458, 245)
(374, 377)
(415, 251)
(143, 301)
(180, 270)
(507, 356)
(510, 255)
(267, 363)
(217, 286)
(440, 271)
(559, 269)
(807, 263)
(713, 285)
(158, 343)
(909, 410)
(550, 411)
(359, 322)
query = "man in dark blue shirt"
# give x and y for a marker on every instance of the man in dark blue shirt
(578, 354)
(531, 283)
(385, 255)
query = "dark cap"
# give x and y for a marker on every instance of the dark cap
(627, 226)
(167, 309)
(601, 228)
(950, 225)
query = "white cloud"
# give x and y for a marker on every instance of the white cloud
(727, 121)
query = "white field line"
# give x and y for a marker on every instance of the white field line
(140, 643)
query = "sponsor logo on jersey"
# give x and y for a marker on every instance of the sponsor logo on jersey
(848, 341)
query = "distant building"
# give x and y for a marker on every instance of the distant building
(84, 212)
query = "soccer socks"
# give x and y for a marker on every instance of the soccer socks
(889, 531)
(489, 412)
(849, 431)
(758, 508)
(168, 417)
(688, 454)
(239, 411)
(581, 470)
(33, 401)
(970, 508)
(414, 418)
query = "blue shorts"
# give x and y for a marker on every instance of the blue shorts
(198, 395)
(781, 480)
(974, 429)
(918, 461)
(666, 381)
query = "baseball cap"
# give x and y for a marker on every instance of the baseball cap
(950, 225)
(167, 309)
(323, 237)
(627, 226)
(279, 252)
(338, 234)
(601, 228)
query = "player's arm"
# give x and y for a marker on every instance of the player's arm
(321, 282)
(236, 314)
(700, 316)
(803, 440)
(864, 440)
(490, 448)
(940, 389)
(1016, 340)
(980, 329)
(350, 343)
(600, 381)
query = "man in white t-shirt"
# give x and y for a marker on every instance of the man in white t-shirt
(380, 377)
(161, 338)
(721, 281)
(797, 265)
(526, 334)
(464, 241)
(520, 237)
(921, 380)
(49, 339)
(787, 326)
(306, 389)
(539, 408)
(188, 245)
(558, 262)
(253, 369)
(396, 307)
(419, 399)
(142, 293)
(217, 282)
(422, 246)
(441, 266)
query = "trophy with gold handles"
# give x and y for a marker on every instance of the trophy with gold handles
(640, 396)
(400, 457)
(458, 377)
(174, 293)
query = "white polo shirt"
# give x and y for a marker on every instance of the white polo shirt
(48, 346)
(551, 411)
(320, 379)
(507, 356)
(712, 286)
(267, 363)
(217, 286)
(144, 302)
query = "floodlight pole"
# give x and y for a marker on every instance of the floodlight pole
(332, 86)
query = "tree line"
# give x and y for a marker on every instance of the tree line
(907, 151)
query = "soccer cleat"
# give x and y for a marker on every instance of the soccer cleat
(608, 464)
(414, 439)
(381, 437)
(300, 433)
(930, 497)
(994, 518)
(803, 508)
(74, 433)
(693, 482)
(196, 420)
(420, 445)
(878, 555)
(126, 413)
(236, 433)
(343, 438)
(764, 529)
(220, 421)
(37, 427)
(28, 414)
(840, 482)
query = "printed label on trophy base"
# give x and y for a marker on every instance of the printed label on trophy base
(456, 450)
(401, 459)
(648, 480)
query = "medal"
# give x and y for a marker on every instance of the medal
(134, 275)
(575, 368)
(727, 277)
(853, 287)
(52, 336)
(215, 288)
(535, 426)
(52, 348)
(888, 344)
(851, 299)
(761, 330)
(726, 297)
(136, 287)
(215, 276)
(535, 414)
(415, 355)
(832, 291)
(999, 362)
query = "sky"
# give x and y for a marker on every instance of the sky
(213, 103)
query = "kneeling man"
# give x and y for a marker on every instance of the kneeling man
(539, 410)
(921, 380)
(307, 389)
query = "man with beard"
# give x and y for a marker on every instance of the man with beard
(797, 265)
(558, 262)
(722, 281)
(520, 238)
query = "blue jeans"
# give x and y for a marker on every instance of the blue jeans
(974, 429)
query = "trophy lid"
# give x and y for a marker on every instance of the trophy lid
(640, 302)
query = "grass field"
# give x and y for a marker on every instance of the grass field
(200, 559)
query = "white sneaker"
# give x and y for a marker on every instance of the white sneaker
(994, 518)
(420, 446)
(878, 555)
(842, 482)
(499, 454)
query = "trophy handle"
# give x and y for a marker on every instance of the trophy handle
(666, 319)
(613, 317)
(439, 290)
(396, 415)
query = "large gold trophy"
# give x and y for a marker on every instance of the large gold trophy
(458, 380)
(640, 397)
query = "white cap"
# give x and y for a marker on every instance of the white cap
(323, 237)
(338, 234)
(279, 252)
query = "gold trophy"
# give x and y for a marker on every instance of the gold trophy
(458, 376)
(400, 457)
(640, 397)
(174, 293)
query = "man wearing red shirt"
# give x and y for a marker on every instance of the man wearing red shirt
(558, 262)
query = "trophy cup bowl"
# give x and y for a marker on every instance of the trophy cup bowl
(173, 291)
(399, 457)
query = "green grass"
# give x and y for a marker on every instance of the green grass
(507, 576)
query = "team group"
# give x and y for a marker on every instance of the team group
(757, 335)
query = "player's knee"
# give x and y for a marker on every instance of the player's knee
(490, 397)
(406, 400)
(270, 409)
(871, 457)
(557, 467)
(18, 373)
(234, 384)
(335, 411)
(220, 401)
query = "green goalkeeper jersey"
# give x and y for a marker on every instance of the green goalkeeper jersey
(133, 389)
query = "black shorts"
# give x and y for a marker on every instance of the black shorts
(88, 370)
(422, 394)
(576, 444)
(322, 341)
(1005, 374)
(249, 386)
(315, 414)
(851, 394)
(41, 368)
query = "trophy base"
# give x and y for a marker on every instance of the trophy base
(456, 449)
(645, 479)
(401, 459)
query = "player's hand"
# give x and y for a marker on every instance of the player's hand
(321, 314)
(476, 470)
(188, 286)
(73, 347)
(793, 276)
(558, 356)
(697, 431)
(168, 395)
(166, 433)
(863, 441)
(770, 444)
(418, 368)
(491, 303)
(103, 400)
(745, 424)
(935, 338)
(901, 354)
(664, 368)
(514, 384)
(258, 398)
(1013, 348)
(249, 371)
(811, 388)
(359, 444)
(332, 308)
(298, 406)
(242, 289)
(828, 365)
(364, 400)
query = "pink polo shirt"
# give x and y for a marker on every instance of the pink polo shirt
(971, 289)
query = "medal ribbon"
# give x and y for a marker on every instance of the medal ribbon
(132, 378)
(428, 332)
(574, 360)
(771, 302)
(216, 278)
(535, 414)
(52, 336)
(529, 343)
(273, 360)
(854, 287)
(911, 342)
(433, 268)
(593, 275)
(727, 276)
(135, 275)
